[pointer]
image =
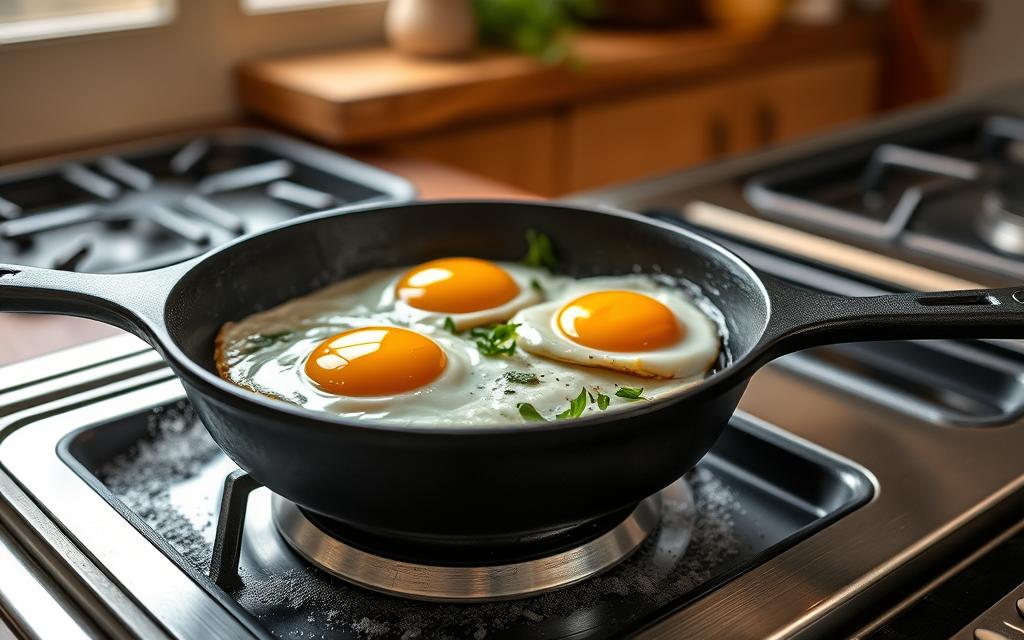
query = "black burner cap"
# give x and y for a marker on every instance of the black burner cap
(1008, 193)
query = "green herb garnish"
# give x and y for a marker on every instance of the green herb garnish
(536, 286)
(521, 377)
(603, 401)
(576, 406)
(449, 325)
(499, 340)
(264, 340)
(631, 393)
(539, 252)
(529, 413)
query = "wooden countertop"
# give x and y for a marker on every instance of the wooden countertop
(372, 94)
(25, 336)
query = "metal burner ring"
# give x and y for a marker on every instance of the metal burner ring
(465, 584)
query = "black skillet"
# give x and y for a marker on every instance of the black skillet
(482, 482)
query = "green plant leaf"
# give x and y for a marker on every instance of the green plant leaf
(449, 325)
(576, 406)
(540, 28)
(539, 251)
(603, 401)
(631, 393)
(498, 340)
(529, 413)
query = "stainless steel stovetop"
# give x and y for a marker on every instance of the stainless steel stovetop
(857, 484)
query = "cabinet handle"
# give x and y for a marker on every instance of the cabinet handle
(766, 123)
(718, 135)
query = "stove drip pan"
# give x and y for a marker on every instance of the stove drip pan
(760, 491)
(324, 543)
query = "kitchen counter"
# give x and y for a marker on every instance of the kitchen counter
(372, 94)
(27, 336)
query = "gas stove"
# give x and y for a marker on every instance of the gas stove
(867, 489)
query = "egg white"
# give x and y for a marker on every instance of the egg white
(540, 335)
(472, 390)
(524, 277)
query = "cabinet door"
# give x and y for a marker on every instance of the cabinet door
(636, 137)
(520, 152)
(812, 97)
(640, 136)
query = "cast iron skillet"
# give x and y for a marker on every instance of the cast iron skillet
(489, 481)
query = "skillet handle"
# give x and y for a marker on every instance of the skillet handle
(801, 318)
(130, 301)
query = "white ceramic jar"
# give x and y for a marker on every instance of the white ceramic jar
(435, 28)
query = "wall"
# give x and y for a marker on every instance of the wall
(73, 92)
(994, 49)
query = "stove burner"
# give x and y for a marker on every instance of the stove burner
(163, 201)
(1002, 221)
(464, 583)
(948, 192)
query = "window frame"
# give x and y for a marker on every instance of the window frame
(262, 7)
(104, 21)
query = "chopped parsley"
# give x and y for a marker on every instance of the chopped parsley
(576, 406)
(521, 377)
(539, 251)
(536, 286)
(631, 393)
(529, 413)
(498, 340)
(449, 325)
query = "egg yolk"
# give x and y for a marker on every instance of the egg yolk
(619, 321)
(457, 285)
(375, 361)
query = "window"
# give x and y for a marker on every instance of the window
(275, 6)
(22, 20)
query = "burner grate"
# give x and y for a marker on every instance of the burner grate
(940, 189)
(166, 201)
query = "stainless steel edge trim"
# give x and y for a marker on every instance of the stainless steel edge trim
(465, 584)
(26, 373)
(53, 389)
(28, 601)
(933, 584)
(137, 566)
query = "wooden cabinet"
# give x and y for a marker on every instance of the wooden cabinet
(596, 143)
(801, 100)
(643, 102)
(629, 138)
(524, 152)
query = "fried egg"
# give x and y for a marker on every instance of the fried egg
(378, 347)
(470, 291)
(626, 324)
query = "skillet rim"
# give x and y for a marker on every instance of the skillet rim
(244, 396)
